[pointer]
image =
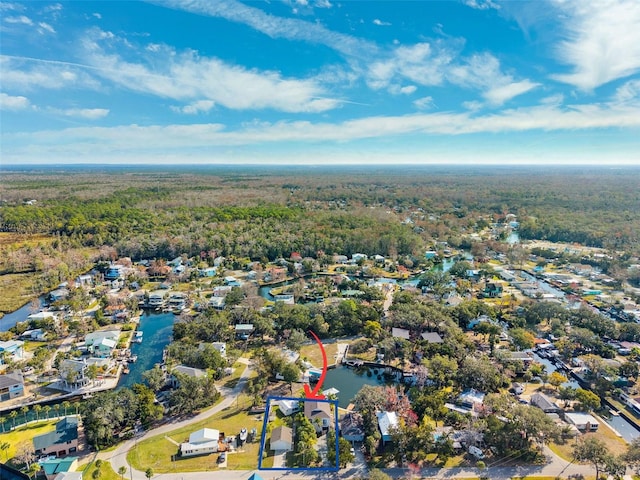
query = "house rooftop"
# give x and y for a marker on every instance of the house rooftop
(10, 379)
(66, 431)
(204, 435)
(386, 421)
(189, 371)
(58, 465)
(282, 433)
(400, 333)
(432, 337)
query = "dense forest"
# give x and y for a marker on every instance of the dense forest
(268, 212)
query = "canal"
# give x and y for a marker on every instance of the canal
(626, 430)
(157, 329)
(10, 319)
(349, 381)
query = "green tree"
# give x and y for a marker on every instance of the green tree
(121, 471)
(154, 378)
(148, 473)
(522, 339)
(594, 451)
(37, 409)
(556, 379)
(24, 410)
(12, 415)
(589, 401)
(296, 339)
(290, 373)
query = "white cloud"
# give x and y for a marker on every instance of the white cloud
(481, 4)
(45, 27)
(8, 102)
(424, 103)
(627, 92)
(380, 23)
(187, 76)
(602, 41)
(145, 140)
(504, 93)
(195, 107)
(22, 19)
(278, 27)
(97, 15)
(26, 74)
(86, 113)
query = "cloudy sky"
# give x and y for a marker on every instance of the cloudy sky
(320, 81)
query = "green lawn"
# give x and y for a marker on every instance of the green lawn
(22, 434)
(106, 471)
(313, 354)
(158, 452)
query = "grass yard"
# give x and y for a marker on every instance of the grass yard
(24, 433)
(158, 452)
(232, 380)
(313, 354)
(17, 290)
(106, 472)
(616, 444)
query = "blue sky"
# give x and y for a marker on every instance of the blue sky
(320, 82)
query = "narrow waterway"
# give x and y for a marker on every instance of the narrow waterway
(10, 319)
(157, 329)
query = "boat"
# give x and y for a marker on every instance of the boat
(243, 434)
(132, 358)
(125, 371)
(138, 337)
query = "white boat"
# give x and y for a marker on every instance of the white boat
(138, 337)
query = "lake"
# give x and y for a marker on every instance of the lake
(349, 382)
(157, 329)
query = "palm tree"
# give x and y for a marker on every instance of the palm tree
(2, 420)
(47, 409)
(24, 410)
(37, 409)
(148, 473)
(66, 404)
(13, 416)
(121, 471)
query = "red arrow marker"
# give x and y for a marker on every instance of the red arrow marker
(313, 395)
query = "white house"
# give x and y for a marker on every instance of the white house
(282, 439)
(582, 421)
(201, 442)
(221, 347)
(387, 421)
(288, 407)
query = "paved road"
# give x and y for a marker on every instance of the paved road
(556, 467)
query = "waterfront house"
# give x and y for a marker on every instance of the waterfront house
(282, 439)
(55, 466)
(58, 294)
(13, 349)
(582, 421)
(102, 343)
(73, 373)
(202, 442)
(184, 370)
(352, 427)
(288, 407)
(319, 413)
(35, 335)
(157, 299)
(61, 441)
(11, 386)
(387, 421)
